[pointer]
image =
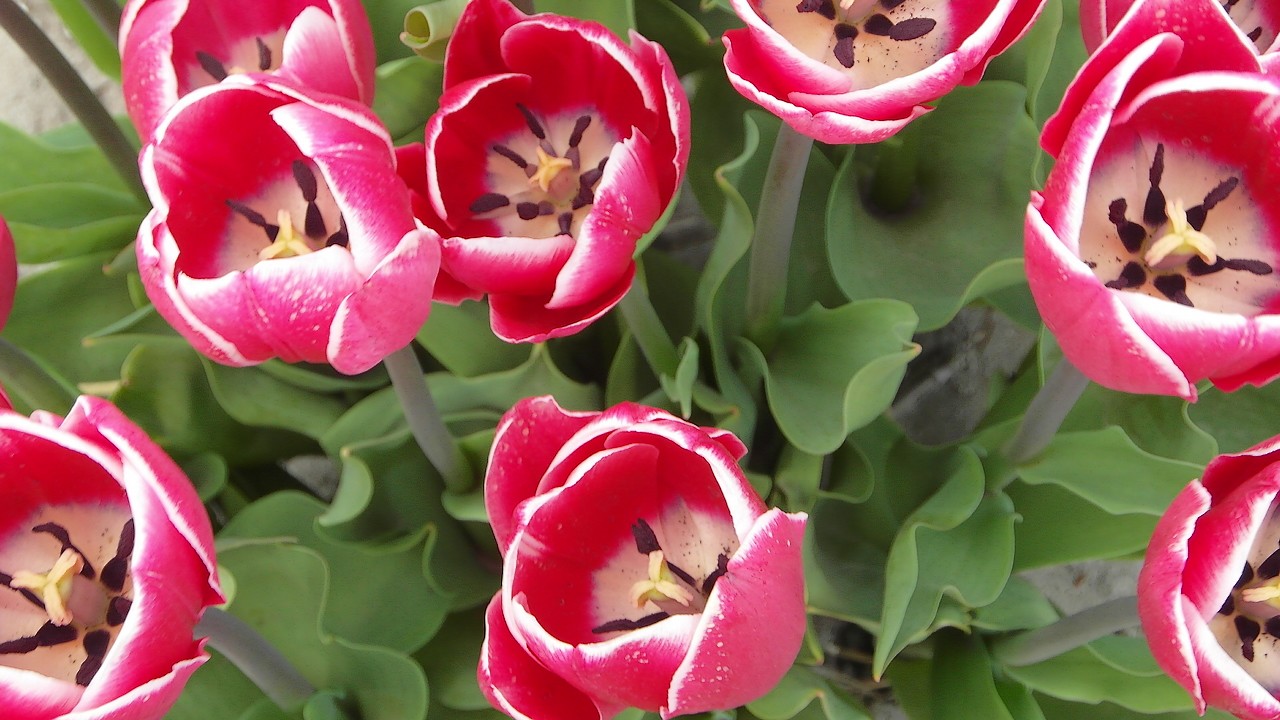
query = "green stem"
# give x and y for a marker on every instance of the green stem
(1044, 416)
(1069, 633)
(107, 13)
(648, 331)
(122, 155)
(771, 242)
(258, 659)
(424, 420)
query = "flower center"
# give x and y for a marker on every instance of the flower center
(308, 198)
(872, 41)
(542, 182)
(261, 53)
(668, 589)
(1247, 625)
(1248, 15)
(74, 610)
(1168, 251)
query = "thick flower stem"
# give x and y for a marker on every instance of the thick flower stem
(771, 243)
(637, 311)
(122, 155)
(424, 420)
(258, 659)
(107, 14)
(1044, 416)
(1069, 633)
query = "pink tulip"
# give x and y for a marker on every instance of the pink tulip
(281, 229)
(170, 47)
(640, 568)
(106, 565)
(1209, 590)
(556, 148)
(1257, 20)
(857, 71)
(1150, 252)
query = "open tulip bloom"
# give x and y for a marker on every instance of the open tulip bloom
(280, 229)
(857, 71)
(106, 564)
(1209, 592)
(1258, 20)
(1151, 250)
(640, 568)
(555, 149)
(171, 47)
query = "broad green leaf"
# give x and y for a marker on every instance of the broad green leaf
(910, 680)
(1161, 426)
(408, 92)
(1081, 676)
(1059, 526)
(680, 387)
(1107, 469)
(282, 591)
(165, 390)
(30, 384)
(958, 542)
(324, 379)
(427, 28)
(833, 371)
(208, 473)
(1237, 420)
(617, 15)
(720, 145)
(1020, 606)
(460, 338)
(326, 705)
(59, 305)
(450, 660)
(217, 692)
(68, 157)
(686, 41)
(962, 687)
(386, 19)
(1055, 709)
(971, 159)
(97, 45)
(802, 688)
(256, 398)
(378, 594)
(66, 219)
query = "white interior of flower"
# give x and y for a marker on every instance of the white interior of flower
(1248, 15)
(95, 530)
(261, 53)
(1251, 625)
(274, 224)
(1234, 227)
(543, 187)
(876, 58)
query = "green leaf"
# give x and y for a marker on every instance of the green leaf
(65, 219)
(802, 688)
(1020, 606)
(58, 305)
(378, 594)
(1237, 420)
(961, 686)
(450, 660)
(386, 19)
(460, 338)
(680, 387)
(834, 371)
(1082, 676)
(958, 542)
(408, 91)
(30, 384)
(718, 145)
(617, 15)
(26, 161)
(686, 41)
(164, 390)
(217, 692)
(326, 705)
(282, 592)
(972, 159)
(1107, 469)
(256, 398)
(208, 473)
(1055, 709)
(427, 28)
(324, 379)
(97, 45)
(1059, 526)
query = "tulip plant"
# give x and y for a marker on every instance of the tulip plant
(567, 360)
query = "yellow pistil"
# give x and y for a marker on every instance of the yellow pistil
(661, 584)
(53, 587)
(549, 167)
(1268, 592)
(1181, 242)
(287, 243)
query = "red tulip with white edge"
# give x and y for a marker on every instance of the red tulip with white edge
(169, 48)
(106, 566)
(640, 568)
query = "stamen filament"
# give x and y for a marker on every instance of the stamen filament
(53, 587)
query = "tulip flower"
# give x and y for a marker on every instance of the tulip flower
(857, 71)
(106, 565)
(1209, 590)
(1150, 252)
(170, 47)
(640, 568)
(1258, 21)
(281, 229)
(555, 149)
